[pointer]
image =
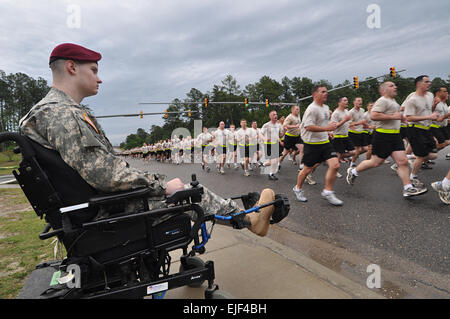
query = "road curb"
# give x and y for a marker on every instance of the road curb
(354, 289)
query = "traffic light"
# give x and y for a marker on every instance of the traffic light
(355, 82)
(206, 102)
(267, 102)
(141, 114)
(189, 113)
(166, 115)
(246, 102)
(392, 72)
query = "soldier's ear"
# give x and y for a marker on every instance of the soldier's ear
(71, 67)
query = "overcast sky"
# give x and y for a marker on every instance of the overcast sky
(159, 50)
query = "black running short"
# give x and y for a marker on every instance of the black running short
(383, 144)
(342, 144)
(439, 133)
(317, 153)
(358, 139)
(272, 151)
(244, 151)
(232, 147)
(422, 141)
(403, 132)
(221, 149)
(368, 138)
(206, 149)
(291, 141)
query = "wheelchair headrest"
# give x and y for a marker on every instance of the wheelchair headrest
(25, 147)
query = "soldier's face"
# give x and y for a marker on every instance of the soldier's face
(425, 84)
(321, 95)
(89, 80)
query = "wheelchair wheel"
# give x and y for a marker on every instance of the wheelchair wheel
(192, 263)
(220, 294)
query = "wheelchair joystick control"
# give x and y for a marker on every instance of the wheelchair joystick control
(194, 182)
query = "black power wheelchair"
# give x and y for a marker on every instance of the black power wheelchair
(124, 255)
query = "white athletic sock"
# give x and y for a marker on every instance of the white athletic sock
(407, 186)
(446, 183)
(327, 192)
(354, 172)
(412, 176)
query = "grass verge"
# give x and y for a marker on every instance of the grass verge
(20, 248)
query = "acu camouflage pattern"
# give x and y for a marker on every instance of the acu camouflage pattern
(57, 122)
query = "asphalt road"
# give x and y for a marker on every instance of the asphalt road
(407, 238)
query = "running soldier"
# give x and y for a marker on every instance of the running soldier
(419, 113)
(315, 130)
(438, 127)
(356, 130)
(205, 138)
(293, 143)
(232, 147)
(243, 136)
(341, 141)
(271, 132)
(387, 140)
(220, 136)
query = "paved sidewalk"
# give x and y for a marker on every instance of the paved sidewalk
(252, 267)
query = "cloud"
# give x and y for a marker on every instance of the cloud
(159, 50)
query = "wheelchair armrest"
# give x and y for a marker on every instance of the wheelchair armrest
(195, 194)
(119, 197)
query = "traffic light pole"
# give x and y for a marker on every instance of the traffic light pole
(274, 103)
(238, 103)
(141, 114)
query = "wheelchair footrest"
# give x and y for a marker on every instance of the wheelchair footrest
(282, 208)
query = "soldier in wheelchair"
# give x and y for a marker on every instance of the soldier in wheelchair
(117, 224)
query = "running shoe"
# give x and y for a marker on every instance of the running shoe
(417, 183)
(350, 177)
(299, 194)
(310, 180)
(332, 199)
(439, 187)
(426, 166)
(414, 191)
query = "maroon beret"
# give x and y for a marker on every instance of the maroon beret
(75, 52)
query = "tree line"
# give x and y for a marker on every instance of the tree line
(287, 91)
